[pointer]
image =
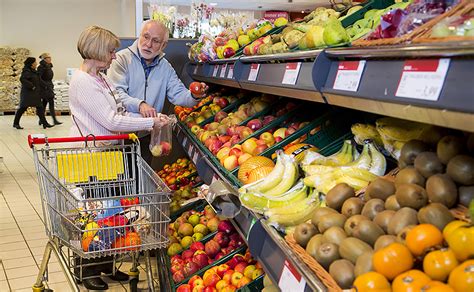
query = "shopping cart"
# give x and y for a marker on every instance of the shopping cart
(99, 201)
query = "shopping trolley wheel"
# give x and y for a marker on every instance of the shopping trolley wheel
(133, 284)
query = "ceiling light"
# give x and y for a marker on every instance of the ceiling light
(213, 4)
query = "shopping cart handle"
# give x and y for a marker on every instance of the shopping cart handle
(42, 139)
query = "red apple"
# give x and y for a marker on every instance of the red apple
(195, 246)
(224, 138)
(196, 88)
(220, 41)
(178, 277)
(176, 267)
(222, 102)
(244, 281)
(222, 269)
(236, 276)
(199, 288)
(244, 157)
(194, 281)
(289, 131)
(228, 52)
(220, 116)
(228, 275)
(184, 288)
(267, 120)
(219, 255)
(238, 258)
(231, 162)
(201, 260)
(212, 248)
(210, 289)
(240, 267)
(190, 268)
(203, 220)
(188, 254)
(254, 124)
(261, 148)
(278, 139)
(226, 227)
(211, 280)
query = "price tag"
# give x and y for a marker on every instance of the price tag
(290, 279)
(195, 157)
(223, 69)
(348, 75)
(423, 79)
(292, 71)
(190, 150)
(253, 72)
(195, 70)
(214, 73)
(185, 141)
(230, 74)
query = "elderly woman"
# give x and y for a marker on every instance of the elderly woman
(45, 71)
(30, 93)
(95, 109)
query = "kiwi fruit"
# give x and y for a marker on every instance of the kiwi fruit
(402, 218)
(379, 189)
(384, 241)
(351, 248)
(364, 263)
(411, 195)
(383, 218)
(466, 195)
(450, 146)
(368, 231)
(338, 194)
(327, 253)
(433, 134)
(409, 175)
(440, 188)
(334, 234)
(320, 213)
(352, 222)
(303, 233)
(428, 164)
(331, 220)
(402, 235)
(461, 169)
(342, 272)
(392, 204)
(436, 214)
(372, 208)
(410, 150)
(313, 244)
(352, 206)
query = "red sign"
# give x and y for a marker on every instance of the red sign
(273, 15)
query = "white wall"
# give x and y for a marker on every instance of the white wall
(54, 25)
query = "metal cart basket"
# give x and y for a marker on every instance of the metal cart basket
(99, 200)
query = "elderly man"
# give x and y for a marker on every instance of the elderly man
(143, 77)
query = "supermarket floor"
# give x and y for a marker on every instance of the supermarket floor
(22, 235)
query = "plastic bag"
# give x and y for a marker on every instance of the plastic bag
(161, 139)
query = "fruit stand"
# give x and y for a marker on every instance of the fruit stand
(392, 125)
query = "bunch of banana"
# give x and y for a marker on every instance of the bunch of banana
(348, 153)
(358, 173)
(364, 132)
(296, 213)
(278, 181)
(260, 202)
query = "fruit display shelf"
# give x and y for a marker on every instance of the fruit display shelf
(373, 86)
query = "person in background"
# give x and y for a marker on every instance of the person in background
(96, 109)
(45, 71)
(144, 78)
(30, 93)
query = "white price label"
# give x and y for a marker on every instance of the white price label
(223, 69)
(195, 157)
(348, 75)
(423, 79)
(195, 70)
(216, 68)
(292, 70)
(253, 72)
(185, 141)
(290, 279)
(190, 150)
(230, 74)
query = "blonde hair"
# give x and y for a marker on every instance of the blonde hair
(96, 43)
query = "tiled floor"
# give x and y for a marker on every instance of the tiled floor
(22, 236)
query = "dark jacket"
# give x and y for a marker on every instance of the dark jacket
(30, 88)
(46, 74)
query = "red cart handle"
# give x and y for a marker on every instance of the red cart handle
(42, 139)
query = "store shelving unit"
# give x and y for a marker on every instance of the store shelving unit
(314, 79)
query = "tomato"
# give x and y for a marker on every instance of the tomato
(127, 202)
(372, 281)
(462, 277)
(423, 237)
(460, 239)
(436, 286)
(439, 263)
(196, 88)
(410, 281)
(392, 260)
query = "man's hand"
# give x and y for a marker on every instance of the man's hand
(146, 110)
(161, 120)
(202, 92)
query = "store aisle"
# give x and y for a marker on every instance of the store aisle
(22, 235)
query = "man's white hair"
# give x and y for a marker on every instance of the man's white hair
(156, 22)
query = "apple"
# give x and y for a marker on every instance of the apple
(176, 267)
(219, 256)
(260, 149)
(220, 41)
(245, 132)
(248, 271)
(236, 276)
(230, 288)
(195, 246)
(192, 282)
(228, 275)
(199, 288)
(231, 162)
(226, 227)
(201, 260)
(267, 138)
(184, 288)
(290, 131)
(212, 248)
(224, 138)
(280, 133)
(196, 88)
(213, 224)
(257, 273)
(209, 212)
(195, 129)
(255, 124)
(278, 139)
(243, 281)
(234, 151)
(223, 153)
(221, 284)
(208, 273)
(249, 146)
(222, 269)
(190, 268)
(211, 280)
(220, 116)
(244, 158)
(240, 267)
(238, 258)
(234, 140)
(178, 277)
(228, 52)
(187, 254)
(222, 239)
(210, 289)
(203, 220)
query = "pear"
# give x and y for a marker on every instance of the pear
(334, 33)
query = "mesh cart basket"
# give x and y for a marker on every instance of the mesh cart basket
(100, 201)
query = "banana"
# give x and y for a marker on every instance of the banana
(364, 132)
(399, 130)
(364, 159)
(357, 173)
(344, 156)
(259, 203)
(289, 177)
(355, 183)
(296, 213)
(379, 163)
(271, 180)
